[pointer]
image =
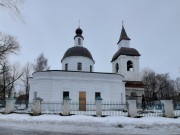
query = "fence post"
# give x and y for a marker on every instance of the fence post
(36, 106)
(66, 106)
(168, 108)
(132, 108)
(10, 104)
(98, 101)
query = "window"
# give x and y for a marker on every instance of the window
(90, 68)
(79, 41)
(97, 94)
(66, 66)
(35, 94)
(129, 66)
(79, 66)
(117, 67)
(65, 94)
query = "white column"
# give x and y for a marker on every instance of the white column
(36, 107)
(10, 104)
(132, 108)
(98, 102)
(66, 106)
(168, 108)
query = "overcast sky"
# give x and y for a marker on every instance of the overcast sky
(152, 25)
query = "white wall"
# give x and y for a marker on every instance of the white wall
(51, 84)
(73, 60)
(122, 60)
(124, 43)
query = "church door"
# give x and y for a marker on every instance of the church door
(82, 101)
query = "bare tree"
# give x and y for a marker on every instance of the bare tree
(158, 86)
(27, 70)
(14, 7)
(10, 75)
(15, 75)
(149, 84)
(177, 89)
(165, 86)
(41, 63)
(8, 44)
(177, 84)
(3, 77)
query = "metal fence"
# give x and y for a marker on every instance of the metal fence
(108, 108)
(176, 106)
(83, 109)
(22, 108)
(51, 107)
(114, 109)
(150, 109)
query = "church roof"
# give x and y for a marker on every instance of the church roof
(125, 51)
(78, 51)
(123, 35)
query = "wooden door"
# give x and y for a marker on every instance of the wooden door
(82, 101)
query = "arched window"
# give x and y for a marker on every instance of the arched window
(79, 41)
(117, 67)
(129, 66)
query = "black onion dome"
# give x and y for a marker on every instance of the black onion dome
(125, 51)
(77, 51)
(78, 33)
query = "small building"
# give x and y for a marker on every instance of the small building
(78, 81)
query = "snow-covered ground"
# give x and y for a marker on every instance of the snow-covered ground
(87, 124)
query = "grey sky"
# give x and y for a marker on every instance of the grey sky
(152, 25)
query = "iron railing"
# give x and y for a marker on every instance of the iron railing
(150, 109)
(83, 109)
(176, 106)
(51, 107)
(114, 109)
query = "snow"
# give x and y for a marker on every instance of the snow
(88, 124)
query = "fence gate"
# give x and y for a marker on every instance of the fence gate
(82, 101)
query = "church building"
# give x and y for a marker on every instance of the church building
(78, 81)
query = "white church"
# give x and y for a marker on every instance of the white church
(78, 81)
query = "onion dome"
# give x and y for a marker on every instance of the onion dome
(79, 33)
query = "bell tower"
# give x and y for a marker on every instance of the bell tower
(126, 62)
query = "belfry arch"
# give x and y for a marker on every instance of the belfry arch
(130, 66)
